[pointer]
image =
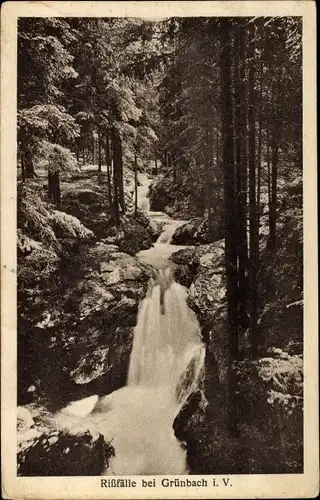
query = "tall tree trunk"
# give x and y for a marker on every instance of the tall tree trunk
(259, 152)
(93, 148)
(169, 165)
(23, 173)
(54, 187)
(108, 162)
(274, 171)
(135, 184)
(242, 181)
(84, 152)
(28, 165)
(209, 176)
(238, 144)
(115, 154)
(99, 150)
(217, 147)
(121, 186)
(254, 230)
(165, 162)
(269, 172)
(229, 203)
(156, 165)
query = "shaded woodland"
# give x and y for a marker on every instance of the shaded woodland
(211, 110)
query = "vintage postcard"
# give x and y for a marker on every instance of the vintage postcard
(159, 263)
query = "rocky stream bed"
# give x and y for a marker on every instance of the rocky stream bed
(77, 332)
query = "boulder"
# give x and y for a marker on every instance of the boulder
(185, 266)
(130, 236)
(102, 306)
(153, 227)
(60, 454)
(198, 231)
(161, 193)
(89, 205)
(207, 292)
(79, 337)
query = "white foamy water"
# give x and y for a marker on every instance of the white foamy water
(158, 255)
(166, 364)
(142, 192)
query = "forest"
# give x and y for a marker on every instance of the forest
(160, 245)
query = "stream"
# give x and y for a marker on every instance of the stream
(166, 364)
(158, 255)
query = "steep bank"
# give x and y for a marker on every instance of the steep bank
(78, 293)
(271, 385)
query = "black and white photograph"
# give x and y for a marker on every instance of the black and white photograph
(160, 281)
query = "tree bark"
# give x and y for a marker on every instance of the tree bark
(108, 162)
(259, 152)
(242, 182)
(135, 184)
(54, 187)
(230, 213)
(121, 187)
(23, 173)
(229, 184)
(274, 173)
(269, 172)
(99, 150)
(28, 165)
(84, 154)
(115, 154)
(93, 149)
(254, 230)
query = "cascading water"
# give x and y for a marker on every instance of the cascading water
(165, 367)
(166, 340)
(169, 230)
(166, 364)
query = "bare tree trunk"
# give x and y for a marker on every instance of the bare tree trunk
(269, 172)
(259, 152)
(274, 173)
(23, 173)
(254, 234)
(156, 165)
(165, 162)
(209, 168)
(229, 203)
(99, 150)
(242, 182)
(54, 187)
(93, 148)
(108, 162)
(135, 184)
(115, 154)
(217, 147)
(121, 186)
(28, 165)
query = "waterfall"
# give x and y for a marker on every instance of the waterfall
(165, 367)
(166, 364)
(167, 342)
(169, 230)
(143, 191)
